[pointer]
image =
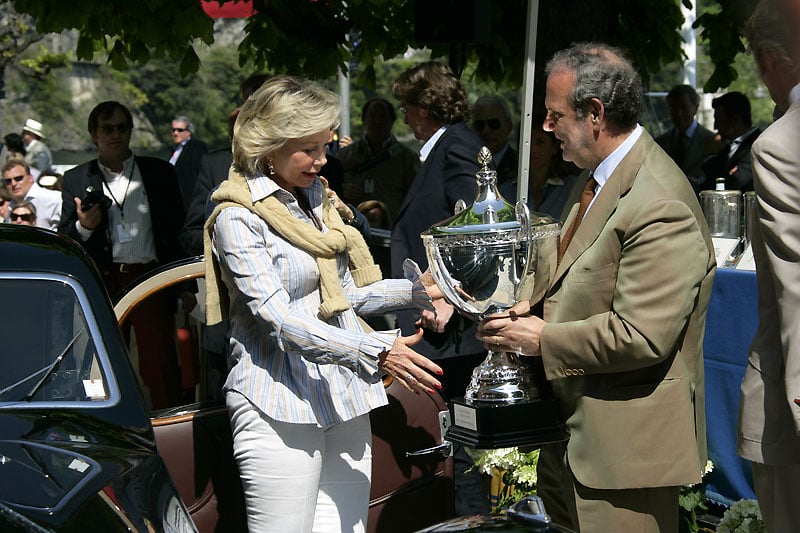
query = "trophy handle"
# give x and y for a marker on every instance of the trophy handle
(526, 236)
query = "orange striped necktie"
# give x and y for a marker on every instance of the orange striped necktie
(586, 199)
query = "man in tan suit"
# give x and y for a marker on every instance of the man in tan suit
(769, 414)
(624, 317)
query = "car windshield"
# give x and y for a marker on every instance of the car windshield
(47, 352)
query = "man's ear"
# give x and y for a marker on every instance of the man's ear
(596, 111)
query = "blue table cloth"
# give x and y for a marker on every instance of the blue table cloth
(731, 322)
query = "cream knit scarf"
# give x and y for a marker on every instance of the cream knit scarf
(324, 246)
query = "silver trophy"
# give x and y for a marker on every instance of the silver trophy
(485, 259)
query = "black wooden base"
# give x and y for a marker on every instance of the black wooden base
(505, 426)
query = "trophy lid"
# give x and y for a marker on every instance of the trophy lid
(490, 212)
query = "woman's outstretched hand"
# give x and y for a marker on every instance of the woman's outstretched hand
(413, 370)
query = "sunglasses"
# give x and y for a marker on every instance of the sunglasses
(179, 130)
(19, 178)
(493, 123)
(25, 217)
(108, 129)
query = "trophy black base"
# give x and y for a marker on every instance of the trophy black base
(505, 426)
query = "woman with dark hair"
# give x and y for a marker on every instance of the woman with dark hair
(13, 147)
(553, 184)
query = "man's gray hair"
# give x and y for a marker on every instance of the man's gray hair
(492, 100)
(769, 30)
(603, 72)
(185, 120)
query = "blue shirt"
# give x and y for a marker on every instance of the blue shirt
(293, 365)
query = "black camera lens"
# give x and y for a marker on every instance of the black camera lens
(93, 197)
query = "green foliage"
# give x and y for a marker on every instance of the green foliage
(721, 26)
(44, 61)
(743, 516)
(127, 31)
(207, 97)
(315, 39)
(691, 500)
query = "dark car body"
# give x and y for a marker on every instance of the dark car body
(79, 450)
(526, 515)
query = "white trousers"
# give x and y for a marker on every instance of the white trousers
(301, 477)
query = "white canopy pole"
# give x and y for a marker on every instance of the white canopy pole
(689, 45)
(527, 101)
(344, 93)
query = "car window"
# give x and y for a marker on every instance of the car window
(49, 353)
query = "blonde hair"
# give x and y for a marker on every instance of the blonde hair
(283, 108)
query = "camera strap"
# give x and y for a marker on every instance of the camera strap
(127, 173)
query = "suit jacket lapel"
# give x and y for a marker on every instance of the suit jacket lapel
(743, 150)
(618, 184)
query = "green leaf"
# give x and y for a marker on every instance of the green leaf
(190, 62)
(116, 57)
(85, 49)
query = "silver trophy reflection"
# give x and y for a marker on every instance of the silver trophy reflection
(485, 259)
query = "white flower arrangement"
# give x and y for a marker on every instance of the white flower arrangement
(516, 471)
(743, 516)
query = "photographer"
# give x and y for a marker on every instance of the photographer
(131, 228)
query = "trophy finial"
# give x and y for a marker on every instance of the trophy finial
(484, 158)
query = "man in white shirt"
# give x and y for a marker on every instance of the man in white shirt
(129, 231)
(20, 184)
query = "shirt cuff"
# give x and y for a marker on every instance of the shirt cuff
(85, 233)
(375, 344)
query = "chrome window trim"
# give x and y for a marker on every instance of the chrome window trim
(111, 384)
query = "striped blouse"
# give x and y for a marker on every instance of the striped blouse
(293, 365)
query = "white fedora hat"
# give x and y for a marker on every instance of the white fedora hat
(33, 126)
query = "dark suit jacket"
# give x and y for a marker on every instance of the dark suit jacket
(625, 313)
(187, 167)
(447, 175)
(163, 197)
(507, 167)
(719, 165)
(695, 153)
(214, 168)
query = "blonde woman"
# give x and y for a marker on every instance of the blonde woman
(293, 277)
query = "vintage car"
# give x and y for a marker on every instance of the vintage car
(79, 450)
(525, 515)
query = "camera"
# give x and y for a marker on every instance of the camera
(92, 197)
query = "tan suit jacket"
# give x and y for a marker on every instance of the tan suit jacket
(623, 347)
(769, 420)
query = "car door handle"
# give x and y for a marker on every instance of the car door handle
(446, 447)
